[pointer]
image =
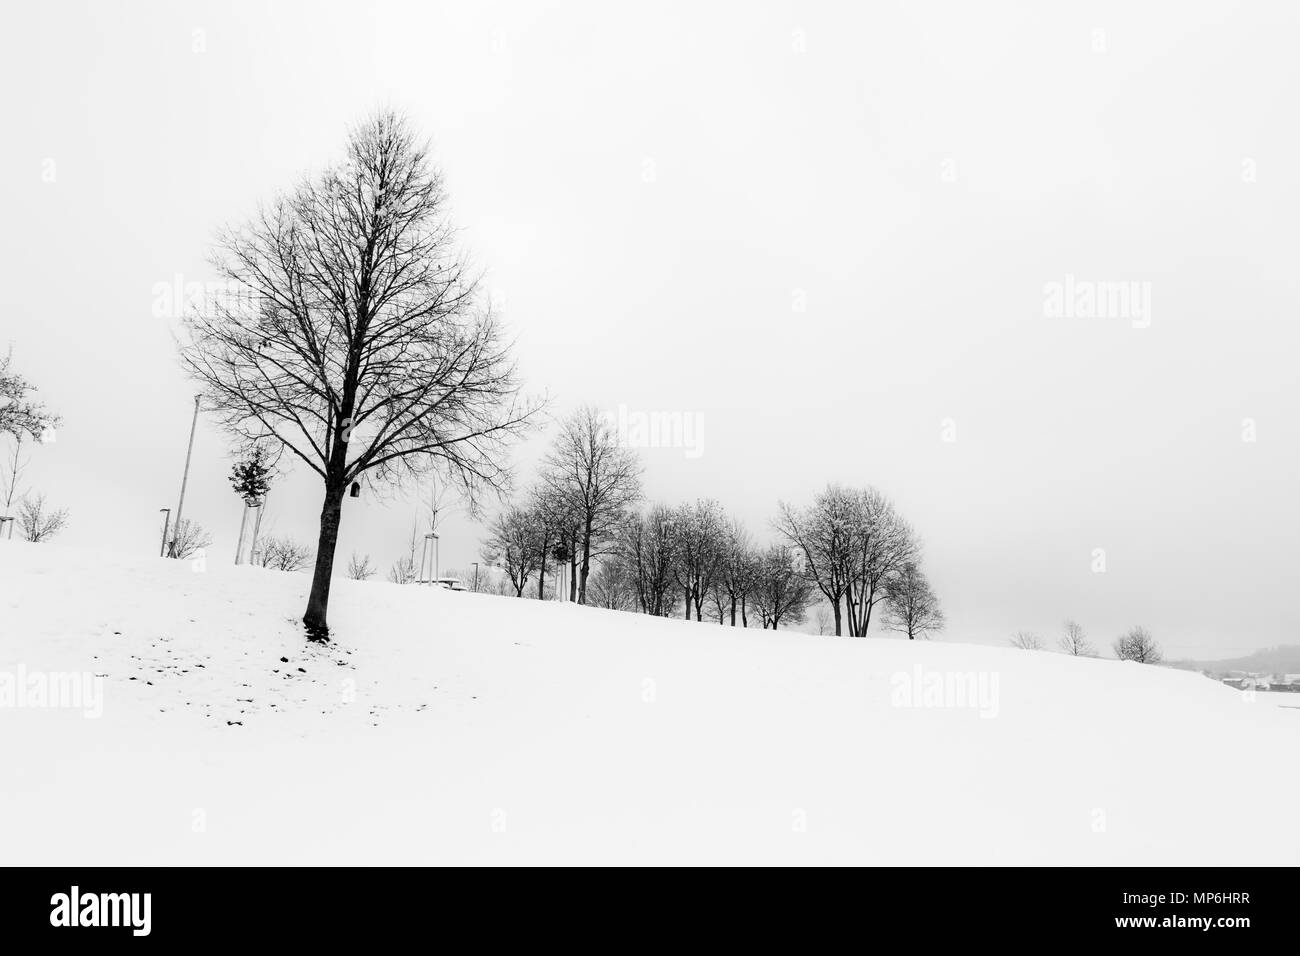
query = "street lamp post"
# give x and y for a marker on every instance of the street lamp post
(167, 516)
(476, 577)
(185, 476)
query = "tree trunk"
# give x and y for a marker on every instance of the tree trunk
(744, 613)
(586, 563)
(688, 603)
(838, 631)
(319, 599)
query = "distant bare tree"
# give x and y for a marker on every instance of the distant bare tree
(403, 571)
(825, 619)
(512, 546)
(911, 605)
(1074, 643)
(1026, 641)
(37, 521)
(597, 480)
(20, 413)
(780, 592)
(25, 420)
(647, 549)
(189, 538)
(284, 554)
(12, 475)
(700, 540)
(736, 573)
(356, 339)
(1138, 645)
(360, 569)
(610, 588)
(882, 549)
(823, 534)
(853, 543)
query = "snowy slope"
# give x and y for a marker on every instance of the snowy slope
(459, 728)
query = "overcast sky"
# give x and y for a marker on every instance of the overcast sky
(828, 234)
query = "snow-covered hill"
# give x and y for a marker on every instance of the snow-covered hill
(459, 728)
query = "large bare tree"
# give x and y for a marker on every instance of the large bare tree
(597, 479)
(352, 334)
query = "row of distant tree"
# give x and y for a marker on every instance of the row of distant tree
(584, 523)
(1136, 644)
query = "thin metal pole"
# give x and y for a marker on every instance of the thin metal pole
(185, 476)
(243, 524)
(257, 528)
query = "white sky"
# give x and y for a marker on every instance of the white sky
(915, 173)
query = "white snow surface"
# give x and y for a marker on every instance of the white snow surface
(459, 728)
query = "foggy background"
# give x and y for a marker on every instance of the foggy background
(822, 230)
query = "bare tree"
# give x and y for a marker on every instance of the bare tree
(553, 523)
(404, 570)
(912, 607)
(189, 538)
(647, 549)
(1138, 645)
(360, 569)
(823, 535)
(512, 546)
(355, 339)
(736, 573)
(881, 548)
(22, 418)
(698, 551)
(20, 413)
(1026, 641)
(780, 592)
(1074, 643)
(14, 468)
(825, 619)
(610, 587)
(37, 521)
(597, 479)
(284, 554)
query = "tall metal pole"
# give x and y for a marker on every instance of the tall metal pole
(185, 476)
(167, 516)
